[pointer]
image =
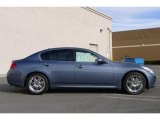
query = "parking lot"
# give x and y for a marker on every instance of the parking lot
(17, 100)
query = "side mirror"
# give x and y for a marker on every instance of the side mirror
(100, 61)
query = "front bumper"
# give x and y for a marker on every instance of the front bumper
(151, 81)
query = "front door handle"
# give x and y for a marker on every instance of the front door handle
(79, 66)
(46, 64)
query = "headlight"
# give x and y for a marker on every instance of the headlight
(148, 69)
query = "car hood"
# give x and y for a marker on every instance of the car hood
(126, 64)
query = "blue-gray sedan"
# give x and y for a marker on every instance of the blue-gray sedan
(77, 68)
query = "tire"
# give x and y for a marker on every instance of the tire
(134, 83)
(37, 84)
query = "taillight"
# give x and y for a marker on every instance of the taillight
(13, 65)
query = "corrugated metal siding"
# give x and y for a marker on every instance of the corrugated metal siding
(137, 37)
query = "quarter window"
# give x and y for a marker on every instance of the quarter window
(85, 57)
(58, 55)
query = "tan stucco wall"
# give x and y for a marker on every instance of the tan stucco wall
(143, 43)
(24, 31)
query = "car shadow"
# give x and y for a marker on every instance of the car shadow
(11, 89)
(84, 90)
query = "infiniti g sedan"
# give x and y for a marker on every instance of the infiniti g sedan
(77, 68)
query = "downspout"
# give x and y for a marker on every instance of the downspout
(110, 42)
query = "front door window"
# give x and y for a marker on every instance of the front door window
(85, 57)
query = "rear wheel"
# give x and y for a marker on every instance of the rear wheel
(134, 83)
(37, 84)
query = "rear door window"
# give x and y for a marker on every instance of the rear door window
(58, 55)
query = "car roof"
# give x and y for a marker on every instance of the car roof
(67, 48)
(72, 48)
(61, 48)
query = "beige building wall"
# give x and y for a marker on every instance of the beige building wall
(25, 30)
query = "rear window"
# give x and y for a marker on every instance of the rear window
(58, 55)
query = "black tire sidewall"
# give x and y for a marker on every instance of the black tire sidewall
(125, 80)
(46, 84)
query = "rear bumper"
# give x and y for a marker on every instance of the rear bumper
(15, 78)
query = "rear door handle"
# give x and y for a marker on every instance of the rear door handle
(79, 66)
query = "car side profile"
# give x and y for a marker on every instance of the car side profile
(77, 68)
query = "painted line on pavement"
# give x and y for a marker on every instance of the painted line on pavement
(137, 96)
(127, 98)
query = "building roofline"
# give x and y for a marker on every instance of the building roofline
(97, 12)
(137, 30)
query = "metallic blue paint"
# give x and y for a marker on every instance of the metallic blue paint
(67, 74)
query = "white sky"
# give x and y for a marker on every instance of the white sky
(129, 18)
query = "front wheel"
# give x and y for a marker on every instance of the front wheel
(37, 84)
(134, 83)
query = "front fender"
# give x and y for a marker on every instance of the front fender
(147, 75)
